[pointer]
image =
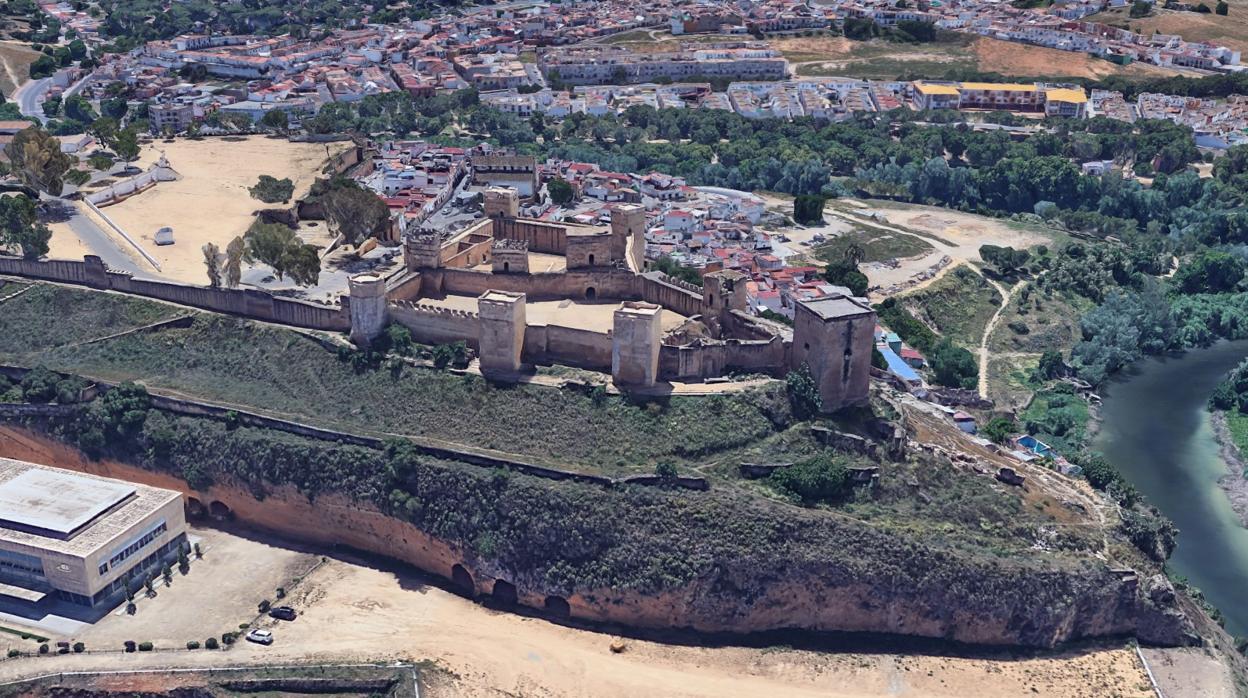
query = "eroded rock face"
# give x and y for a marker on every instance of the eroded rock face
(908, 590)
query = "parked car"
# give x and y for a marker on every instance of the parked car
(282, 613)
(261, 637)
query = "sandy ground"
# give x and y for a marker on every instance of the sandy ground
(1190, 673)
(539, 262)
(953, 234)
(1015, 59)
(65, 244)
(597, 317)
(15, 60)
(353, 611)
(210, 203)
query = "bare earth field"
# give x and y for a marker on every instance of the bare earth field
(15, 59)
(838, 56)
(1230, 31)
(210, 203)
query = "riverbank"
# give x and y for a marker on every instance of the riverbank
(1233, 483)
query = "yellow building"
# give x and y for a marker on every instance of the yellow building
(1014, 97)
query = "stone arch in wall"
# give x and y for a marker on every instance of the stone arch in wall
(194, 508)
(462, 579)
(504, 592)
(558, 607)
(506, 267)
(591, 293)
(219, 510)
(591, 259)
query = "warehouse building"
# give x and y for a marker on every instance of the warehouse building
(81, 538)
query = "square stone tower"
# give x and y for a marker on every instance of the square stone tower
(834, 335)
(502, 331)
(635, 340)
(501, 202)
(626, 220)
(510, 256)
(423, 250)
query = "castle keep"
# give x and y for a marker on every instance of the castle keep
(524, 291)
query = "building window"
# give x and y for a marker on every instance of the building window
(103, 569)
(121, 555)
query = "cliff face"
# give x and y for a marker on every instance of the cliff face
(987, 603)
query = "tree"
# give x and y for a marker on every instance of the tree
(126, 144)
(999, 429)
(212, 260)
(561, 192)
(808, 209)
(271, 190)
(1222, 8)
(20, 226)
(822, 478)
(356, 213)
(803, 392)
(79, 109)
(42, 67)
(234, 253)
(1051, 364)
(77, 177)
(100, 162)
(1210, 272)
(115, 107)
(1140, 8)
(36, 159)
(1006, 260)
(276, 120)
(51, 106)
(953, 366)
(279, 247)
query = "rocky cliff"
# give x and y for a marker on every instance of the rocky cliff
(836, 576)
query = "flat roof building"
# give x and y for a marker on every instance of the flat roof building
(81, 538)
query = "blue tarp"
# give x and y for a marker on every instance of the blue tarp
(898, 367)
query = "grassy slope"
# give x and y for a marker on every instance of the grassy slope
(243, 363)
(958, 305)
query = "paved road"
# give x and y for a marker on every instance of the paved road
(29, 94)
(98, 241)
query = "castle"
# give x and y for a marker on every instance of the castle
(524, 291)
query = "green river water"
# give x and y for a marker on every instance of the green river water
(1156, 430)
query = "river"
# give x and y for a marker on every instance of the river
(1156, 431)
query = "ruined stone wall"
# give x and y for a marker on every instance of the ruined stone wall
(712, 358)
(673, 294)
(430, 324)
(245, 302)
(568, 346)
(471, 254)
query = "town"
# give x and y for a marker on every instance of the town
(691, 347)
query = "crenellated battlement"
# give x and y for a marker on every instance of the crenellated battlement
(435, 310)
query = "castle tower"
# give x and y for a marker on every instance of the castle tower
(369, 314)
(635, 340)
(834, 335)
(626, 220)
(723, 292)
(423, 251)
(510, 256)
(502, 331)
(501, 202)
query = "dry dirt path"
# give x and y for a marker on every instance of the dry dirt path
(984, 354)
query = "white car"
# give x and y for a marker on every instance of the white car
(262, 637)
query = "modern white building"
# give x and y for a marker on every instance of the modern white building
(81, 538)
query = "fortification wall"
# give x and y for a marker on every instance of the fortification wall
(471, 255)
(550, 238)
(437, 325)
(713, 358)
(605, 283)
(673, 294)
(568, 346)
(246, 302)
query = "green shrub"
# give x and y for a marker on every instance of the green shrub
(79, 648)
(211, 643)
(823, 478)
(192, 645)
(804, 398)
(145, 647)
(14, 653)
(43, 648)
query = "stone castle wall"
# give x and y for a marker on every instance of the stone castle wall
(245, 302)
